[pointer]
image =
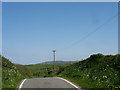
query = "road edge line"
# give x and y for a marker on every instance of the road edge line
(68, 82)
(21, 84)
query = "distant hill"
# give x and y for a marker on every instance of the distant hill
(59, 62)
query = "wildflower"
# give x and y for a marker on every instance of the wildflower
(95, 78)
(104, 76)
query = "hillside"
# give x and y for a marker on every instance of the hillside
(97, 71)
(12, 73)
(58, 62)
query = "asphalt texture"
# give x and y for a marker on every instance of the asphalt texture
(47, 83)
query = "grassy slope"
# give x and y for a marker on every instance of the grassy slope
(45, 70)
(39, 70)
(97, 71)
(12, 74)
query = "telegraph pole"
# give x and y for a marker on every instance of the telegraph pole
(54, 58)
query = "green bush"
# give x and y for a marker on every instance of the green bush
(102, 70)
(12, 74)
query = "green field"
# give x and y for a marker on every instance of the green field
(46, 70)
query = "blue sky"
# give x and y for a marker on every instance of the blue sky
(0, 28)
(32, 30)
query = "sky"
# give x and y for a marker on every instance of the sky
(75, 30)
(0, 28)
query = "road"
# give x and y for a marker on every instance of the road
(51, 83)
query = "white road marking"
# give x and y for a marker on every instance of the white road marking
(69, 82)
(21, 84)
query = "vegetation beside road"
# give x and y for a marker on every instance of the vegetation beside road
(12, 74)
(97, 71)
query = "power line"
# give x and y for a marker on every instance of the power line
(89, 34)
(92, 32)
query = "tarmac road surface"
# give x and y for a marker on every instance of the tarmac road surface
(51, 83)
